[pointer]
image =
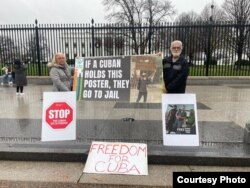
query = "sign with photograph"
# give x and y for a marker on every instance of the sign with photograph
(119, 78)
(117, 158)
(179, 120)
(59, 116)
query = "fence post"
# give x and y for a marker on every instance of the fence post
(93, 38)
(37, 49)
(209, 54)
(149, 38)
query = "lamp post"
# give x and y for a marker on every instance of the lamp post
(212, 11)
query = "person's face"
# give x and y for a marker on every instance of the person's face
(176, 49)
(60, 59)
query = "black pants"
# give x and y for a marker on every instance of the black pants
(19, 87)
(140, 94)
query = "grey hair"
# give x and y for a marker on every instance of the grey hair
(176, 41)
(54, 57)
(53, 62)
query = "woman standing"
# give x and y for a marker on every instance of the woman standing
(20, 76)
(60, 73)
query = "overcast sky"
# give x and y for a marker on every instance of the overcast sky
(72, 11)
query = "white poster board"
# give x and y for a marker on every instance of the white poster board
(179, 120)
(59, 116)
(117, 158)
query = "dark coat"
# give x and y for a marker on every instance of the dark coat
(175, 74)
(142, 85)
(20, 74)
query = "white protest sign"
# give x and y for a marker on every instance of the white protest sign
(59, 116)
(117, 158)
(179, 120)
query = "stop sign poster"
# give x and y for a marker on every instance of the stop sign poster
(59, 116)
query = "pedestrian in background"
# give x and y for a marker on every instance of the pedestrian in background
(20, 76)
(175, 70)
(60, 73)
(7, 78)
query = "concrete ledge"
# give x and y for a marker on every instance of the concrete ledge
(223, 154)
(221, 143)
(39, 80)
(218, 80)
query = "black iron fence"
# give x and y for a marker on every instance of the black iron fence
(213, 49)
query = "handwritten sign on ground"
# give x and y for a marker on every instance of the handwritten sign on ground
(117, 158)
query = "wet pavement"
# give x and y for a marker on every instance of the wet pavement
(223, 111)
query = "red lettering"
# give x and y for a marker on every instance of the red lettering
(114, 150)
(123, 168)
(131, 150)
(134, 168)
(96, 166)
(111, 157)
(125, 158)
(101, 147)
(92, 147)
(114, 167)
(144, 150)
(118, 158)
(108, 148)
(124, 149)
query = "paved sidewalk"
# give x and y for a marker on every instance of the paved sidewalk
(223, 111)
(66, 174)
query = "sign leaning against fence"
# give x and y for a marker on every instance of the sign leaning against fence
(120, 78)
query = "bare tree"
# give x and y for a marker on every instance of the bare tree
(31, 48)
(188, 32)
(212, 11)
(188, 17)
(138, 13)
(8, 50)
(238, 11)
(212, 15)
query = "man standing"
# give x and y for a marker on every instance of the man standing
(175, 70)
(171, 118)
(142, 87)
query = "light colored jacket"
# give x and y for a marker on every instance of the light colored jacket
(61, 76)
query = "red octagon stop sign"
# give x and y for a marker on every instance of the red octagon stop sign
(59, 115)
